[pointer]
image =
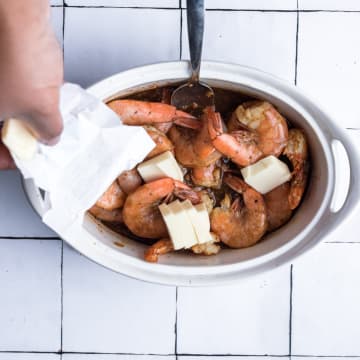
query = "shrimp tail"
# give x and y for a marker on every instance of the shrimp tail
(161, 247)
(187, 122)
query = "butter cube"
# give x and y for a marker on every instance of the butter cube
(179, 226)
(266, 174)
(18, 139)
(200, 221)
(163, 165)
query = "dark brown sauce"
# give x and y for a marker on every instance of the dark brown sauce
(226, 101)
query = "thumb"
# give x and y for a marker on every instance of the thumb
(47, 127)
(45, 120)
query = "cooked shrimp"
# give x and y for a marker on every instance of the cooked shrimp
(267, 135)
(277, 206)
(268, 124)
(207, 197)
(141, 213)
(208, 248)
(195, 149)
(135, 112)
(107, 215)
(162, 142)
(161, 247)
(209, 176)
(240, 147)
(112, 198)
(237, 225)
(297, 152)
(129, 180)
(165, 246)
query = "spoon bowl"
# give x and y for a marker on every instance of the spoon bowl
(194, 96)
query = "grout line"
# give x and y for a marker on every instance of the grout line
(119, 7)
(176, 355)
(297, 42)
(231, 355)
(328, 356)
(329, 11)
(212, 9)
(63, 34)
(29, 238)
(284, 10)
(291, 310)
(62, 296)
(181, 32)
(176, 319)
(254, 10)
(353, 128)
(112, 353)
(77, 352)
(29, 352)
(271, 355)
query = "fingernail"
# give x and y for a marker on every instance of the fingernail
(51, 142)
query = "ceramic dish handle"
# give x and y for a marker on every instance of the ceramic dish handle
(352, 197)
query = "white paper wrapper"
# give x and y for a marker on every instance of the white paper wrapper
(94, 149)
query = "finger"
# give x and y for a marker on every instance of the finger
(46, 119)
(47, 128)
(6, 161)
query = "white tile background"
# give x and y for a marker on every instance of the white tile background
(56, 304)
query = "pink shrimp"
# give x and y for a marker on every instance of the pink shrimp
(267, 134)
(297, 152)
(240, 226)
(135, 112)
(141, 213)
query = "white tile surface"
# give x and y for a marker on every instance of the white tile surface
(56, 2)
(212, 357)
(107, 312)
(57, 22)
(14, 356)
(17, 218)
(251, 317)
(115, 357)
(125, 3)
(329, 63)
(249, 4)
(326, 299)
(30, 308)
(323, 357)
(101, 42)
(329, 5)
(262, 40)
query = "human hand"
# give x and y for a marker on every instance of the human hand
(31, 71)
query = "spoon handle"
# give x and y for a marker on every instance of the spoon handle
(195, 21)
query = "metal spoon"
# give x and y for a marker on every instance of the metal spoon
(194, 96)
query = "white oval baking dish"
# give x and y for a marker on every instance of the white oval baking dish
(312, 222)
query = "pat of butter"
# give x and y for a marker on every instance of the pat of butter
(200, 221)
(266, 174)
(18, 139)
(179, 225)
(163, 165)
